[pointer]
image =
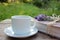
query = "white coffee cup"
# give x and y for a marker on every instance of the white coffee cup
(22, 24)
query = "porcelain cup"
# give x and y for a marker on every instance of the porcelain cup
(22, 24)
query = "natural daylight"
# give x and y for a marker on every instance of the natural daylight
(45, 16)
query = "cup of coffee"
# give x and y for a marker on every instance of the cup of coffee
(22, 24)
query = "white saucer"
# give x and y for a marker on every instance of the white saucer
(8, 31)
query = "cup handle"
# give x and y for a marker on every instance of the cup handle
(33, 23)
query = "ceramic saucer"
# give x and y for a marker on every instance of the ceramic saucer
(8, 31)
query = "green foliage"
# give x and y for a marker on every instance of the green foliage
(44, 3)
(38, 3)
(6, 11)
(41, 3)
(47, 7)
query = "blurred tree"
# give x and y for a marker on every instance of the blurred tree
(41, 3)
(38, 3)
(8, 0)
(27, 1)
(3, 0)
(12, 0)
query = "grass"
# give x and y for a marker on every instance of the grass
(8, 10)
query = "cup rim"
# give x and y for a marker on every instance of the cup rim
(21, 17)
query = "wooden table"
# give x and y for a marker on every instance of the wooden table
(38, 36)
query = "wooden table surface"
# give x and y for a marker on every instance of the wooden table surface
(38, 36)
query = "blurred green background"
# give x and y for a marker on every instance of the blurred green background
(33, 8)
